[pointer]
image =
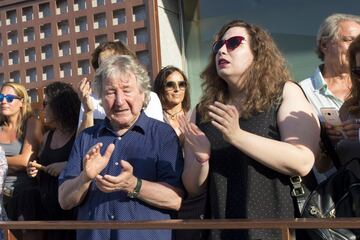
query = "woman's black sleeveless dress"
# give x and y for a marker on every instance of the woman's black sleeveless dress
(240, 187)
(49, 185)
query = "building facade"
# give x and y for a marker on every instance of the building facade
(52, 40)
(45, 40)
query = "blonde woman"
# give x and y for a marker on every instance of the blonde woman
(20, 136)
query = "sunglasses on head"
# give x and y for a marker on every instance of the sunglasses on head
(9, 97)
(356, 71)
(230, 43)
(171, 85)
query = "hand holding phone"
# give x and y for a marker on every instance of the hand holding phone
(331, 116)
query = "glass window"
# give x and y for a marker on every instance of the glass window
(140, 36)
(119, 17)
(15, 77)
(64, 48)
(121, 36)
(48, 73)
(31, 75)
(293, 27)
(45, 31)
(12, 37)
(14, 57)
(79, 5)
(61, 6)
(63, 27)
(29, 34)
(65, 70)
(44, 10)
(11, 17)
(139, 13)
(27, 14)
(81, 24)
(83, 67)
(99, 20)
(30, 54)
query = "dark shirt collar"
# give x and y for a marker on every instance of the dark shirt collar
(138, 126)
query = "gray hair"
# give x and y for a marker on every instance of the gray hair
(329, 29)
(123, 64)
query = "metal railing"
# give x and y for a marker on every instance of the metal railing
(286, 226)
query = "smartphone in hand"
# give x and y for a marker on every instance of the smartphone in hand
(331, 116)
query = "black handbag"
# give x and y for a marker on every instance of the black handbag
(337, 196)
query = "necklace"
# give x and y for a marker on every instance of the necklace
(172, 115)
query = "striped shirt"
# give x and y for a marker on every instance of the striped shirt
(318, 93)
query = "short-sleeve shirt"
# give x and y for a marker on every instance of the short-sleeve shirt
(153, 149)
(318, 93)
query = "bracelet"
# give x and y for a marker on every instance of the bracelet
(201, 162)
(134, 193)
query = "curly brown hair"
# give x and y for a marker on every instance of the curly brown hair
(264, 79)
(354, 97)
(64, 104)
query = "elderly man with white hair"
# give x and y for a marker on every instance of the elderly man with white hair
(330, 84)
(129, 166)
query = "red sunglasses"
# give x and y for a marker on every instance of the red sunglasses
(230, 43)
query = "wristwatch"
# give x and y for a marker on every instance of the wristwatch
(134, 193)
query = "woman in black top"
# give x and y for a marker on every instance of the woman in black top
(61, 108)
(253, 130)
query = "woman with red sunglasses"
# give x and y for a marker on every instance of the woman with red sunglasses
(252, 130)
(350, 111)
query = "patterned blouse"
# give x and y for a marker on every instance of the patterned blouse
(3, 172)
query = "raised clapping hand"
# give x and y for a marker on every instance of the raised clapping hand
(196, 139)
(84, 93)
(125, 181)
(94, 162)
(226, 119)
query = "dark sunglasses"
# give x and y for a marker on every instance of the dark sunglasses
(230, 43)
(356, 71)
(9, 97)
(171, 85)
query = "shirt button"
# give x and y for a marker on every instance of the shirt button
(116, 163)
(119, 138)
(112, 217)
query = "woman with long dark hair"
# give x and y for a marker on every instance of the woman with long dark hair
(173, 89)
(61, 106)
